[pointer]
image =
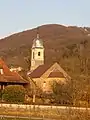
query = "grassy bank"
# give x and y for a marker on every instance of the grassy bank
(56, 114)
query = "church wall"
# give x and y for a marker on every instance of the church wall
(46, 83)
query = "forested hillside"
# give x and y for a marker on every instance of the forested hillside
(61, 44)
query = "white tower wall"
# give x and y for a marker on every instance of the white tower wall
(37, 54)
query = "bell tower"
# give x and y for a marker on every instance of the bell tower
(37, 53)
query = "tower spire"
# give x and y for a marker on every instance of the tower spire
(37, 32)
(37, 52)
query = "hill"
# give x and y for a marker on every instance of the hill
(60, 44)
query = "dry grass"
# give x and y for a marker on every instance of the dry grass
(56, 114)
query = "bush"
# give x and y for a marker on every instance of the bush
(14, 93)
(62, 93)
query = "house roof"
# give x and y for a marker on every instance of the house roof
(39, 71)
(8, 76)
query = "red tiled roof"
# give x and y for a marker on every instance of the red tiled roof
(6, 70)
(39, 71)
(11, 79)
(56, 74)
(9, 76)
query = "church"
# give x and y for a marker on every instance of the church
(44, 75)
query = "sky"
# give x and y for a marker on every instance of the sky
(20, 15)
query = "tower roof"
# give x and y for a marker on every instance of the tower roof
(37, 42)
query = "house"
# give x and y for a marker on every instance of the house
(9, 78)
(41, 74)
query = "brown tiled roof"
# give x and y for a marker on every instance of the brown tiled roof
(39, 71)
(9, 76)
(56, 74)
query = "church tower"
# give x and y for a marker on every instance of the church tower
(37, 53)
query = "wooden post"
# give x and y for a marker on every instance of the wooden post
(34, 98)
(34, 93)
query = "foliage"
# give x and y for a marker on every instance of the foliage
(62, 93)
(81, 89)
(14, 93)
(61, 41)
(0, 94)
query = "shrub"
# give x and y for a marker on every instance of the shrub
(14, 93)
(62, 93)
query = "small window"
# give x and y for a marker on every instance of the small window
(38, 53)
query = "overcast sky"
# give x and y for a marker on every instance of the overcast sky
(19, 15)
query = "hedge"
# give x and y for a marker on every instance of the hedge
(14, 93)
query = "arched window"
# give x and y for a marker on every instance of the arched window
(38, 53)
